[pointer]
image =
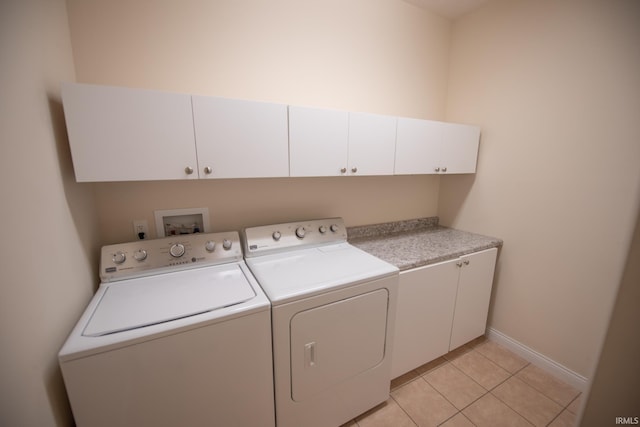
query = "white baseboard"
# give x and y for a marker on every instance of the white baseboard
(556, 369)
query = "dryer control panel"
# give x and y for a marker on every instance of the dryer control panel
(267, 239)
(148, 257)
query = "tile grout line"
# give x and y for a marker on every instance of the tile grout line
(475, 400)
(462, 352)
(566, 408)
(549, 397)
(489, 391)
(403, 410)
(508, 406)
(514, 376)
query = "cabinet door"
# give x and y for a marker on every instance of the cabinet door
(417, 146)
(240, 139)
(474, 293)
(122, 134)
(459, 148)
(317, 141)
(372, 144)
(426, 298)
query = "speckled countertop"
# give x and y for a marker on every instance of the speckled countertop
(414, 243)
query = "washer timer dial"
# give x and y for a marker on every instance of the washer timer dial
(177, 250)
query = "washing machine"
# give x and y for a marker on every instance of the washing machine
(177, 334)
(333, 314)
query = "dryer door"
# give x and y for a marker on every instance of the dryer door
(337, 341)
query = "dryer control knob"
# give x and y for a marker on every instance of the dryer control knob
(177, 250)
(210, 246)
(300, 232)
(226, 244)
(334, 227)
(322, 229)
(140, 255)
(119, 257)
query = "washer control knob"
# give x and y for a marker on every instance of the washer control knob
(119, 257)
(276, 235)
(210, 246)
(177, 250)
(140, 255)
(322, 229)
(226, 244)
(334, 227)
(300, 232)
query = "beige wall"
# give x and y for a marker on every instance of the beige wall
(379, 56)
(615, 389)
(234, 204)
(47, 256)
(555, 86)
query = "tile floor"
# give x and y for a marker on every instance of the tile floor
(479, 384)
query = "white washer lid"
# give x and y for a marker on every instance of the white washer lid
(145, 301)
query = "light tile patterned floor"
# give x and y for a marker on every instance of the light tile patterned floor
(479, 384)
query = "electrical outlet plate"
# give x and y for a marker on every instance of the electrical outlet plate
(182, 221)
(140, 226)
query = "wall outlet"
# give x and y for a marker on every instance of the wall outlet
(141, 229)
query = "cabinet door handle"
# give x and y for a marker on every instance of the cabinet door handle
(188, 170)
(444, 169)
(466, 262)
(354, 169)
(208, 170)
(458, 264)
(437, 169)
(343, 170)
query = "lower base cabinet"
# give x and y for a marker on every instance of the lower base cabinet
(441, 307)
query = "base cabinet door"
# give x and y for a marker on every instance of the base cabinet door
(474, 294)
(426, 300)
(441, 307)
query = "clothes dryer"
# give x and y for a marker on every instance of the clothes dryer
(333, 314)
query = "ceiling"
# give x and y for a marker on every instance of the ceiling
(448, 8)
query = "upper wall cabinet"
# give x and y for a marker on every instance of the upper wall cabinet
(122, 134)
(372, 144)
(318, 141)
(428, 147)
(240, 139)
(333, 143)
